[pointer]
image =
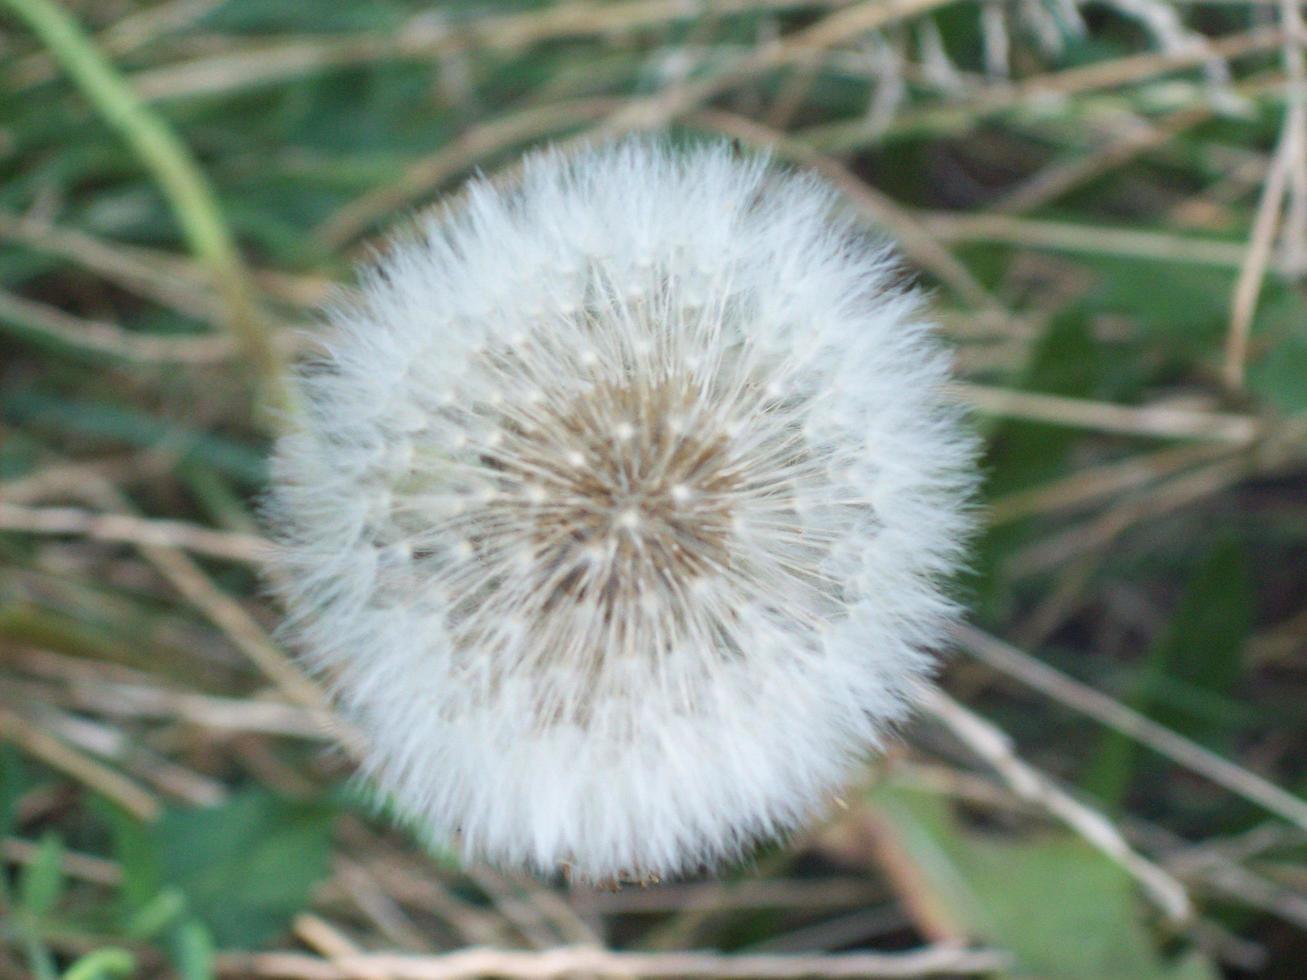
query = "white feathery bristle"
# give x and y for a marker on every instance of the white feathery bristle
(620, 508)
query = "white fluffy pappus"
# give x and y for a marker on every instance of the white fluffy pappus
(619, 510)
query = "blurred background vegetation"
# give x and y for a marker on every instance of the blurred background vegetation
(1108, 201)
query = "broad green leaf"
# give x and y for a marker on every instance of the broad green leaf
(13, 783)
(40, 960)
(1063, 909)
(1198, 655)
(191, 949)
(1280, 374)
(157, 914)
(1024, 454)
(1066, 363)
(103, 964)
(260, 16)
(247, 865)
(42, 882)
(136, 850)
(115, 423)
(1186, 317)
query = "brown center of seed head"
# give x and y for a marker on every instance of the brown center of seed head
(609, 510)
(627, 493)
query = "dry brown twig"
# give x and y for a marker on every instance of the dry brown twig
(428, 38)
(125, 528)
(591, 962)
(1053, 550)
(616, 118)
(1287, 176)
(1117, 716)
(173, 281)
(759, 893)
(1242, 173)
(416, 884)
(426, 174)
(234, 621)
(916, 240)
(1061, 177)
(84, 867)
(1139, 138)
(68, 479)
(322, 937)
(1082, 238)
(249, 637)
(115, 745)
(1087, 486)
(1045, 89)
(379, 908)
(1212, 866)
(993, 745)
(123, 36)
(519, 907)
(157, 276)
(101, 337)
(219, 714)
(62, 757)
(1252, 271)
(1161, 421)
(1294, 242)
(850, 929)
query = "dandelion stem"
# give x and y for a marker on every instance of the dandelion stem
(179, 177)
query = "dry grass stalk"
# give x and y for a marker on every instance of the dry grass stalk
(573, 961)
(994, 746)
(1117, 716)
(1160, 421)
(1084, 239)
(140, 531)
(1287, 176)
(61, 756)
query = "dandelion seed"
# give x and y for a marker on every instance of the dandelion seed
(663, 555)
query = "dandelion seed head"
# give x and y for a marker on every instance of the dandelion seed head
(621, 508)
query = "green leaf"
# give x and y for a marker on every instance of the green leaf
(268, 16)
(1062, 908)
(1280, 375)
(247, 865)
(136, 851)
(13, 783)
(40, 961)
(1197, 658)
(101, 965)
(156, 915)
(102, 420)
(42, 882)
(1188, 316)
(1024, 454)
(1064, 363)
(191, 949)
